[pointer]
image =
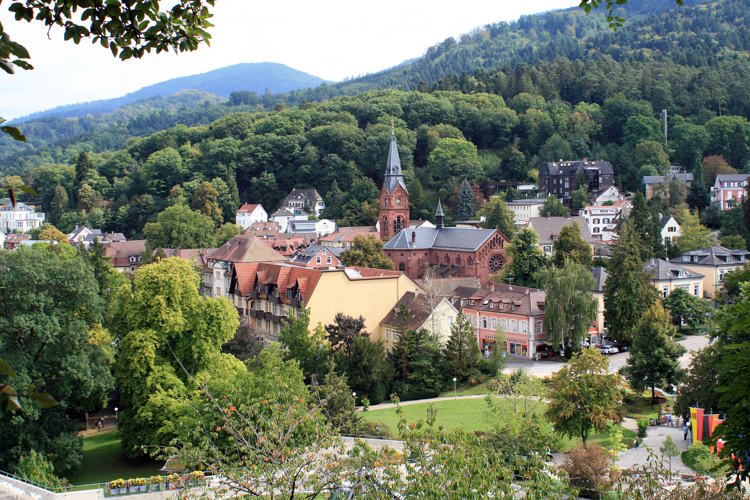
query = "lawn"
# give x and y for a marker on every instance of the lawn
(467, 414)
(638, 406)
(104, 461)
(470, 390)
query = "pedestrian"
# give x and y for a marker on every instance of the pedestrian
(684, 431)
(669, 419)
(635, 443)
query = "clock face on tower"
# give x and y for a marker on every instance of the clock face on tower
(496, 262)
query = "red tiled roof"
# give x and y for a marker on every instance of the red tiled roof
(348, 233)
(528, 301)
(248, 207)
(418, 307)
(282, 275)
(121, 251)
(244, 248)
(369, 272)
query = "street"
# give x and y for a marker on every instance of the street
(691, 343)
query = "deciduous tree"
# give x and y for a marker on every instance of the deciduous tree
(527, 259)
(366, 251)
(179, 227)
(584, 396)
(569, 245)
(498, 216)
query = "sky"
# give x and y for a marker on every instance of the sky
(332, 39)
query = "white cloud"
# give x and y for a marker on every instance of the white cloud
(332, 39)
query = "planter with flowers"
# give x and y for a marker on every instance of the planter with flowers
(195, 478)
(117, 487)
(174, 481)
(155, 483)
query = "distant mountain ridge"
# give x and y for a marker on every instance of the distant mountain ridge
(255, 77)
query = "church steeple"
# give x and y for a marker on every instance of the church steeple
(394, 197)
(393, 174)
(439, 215)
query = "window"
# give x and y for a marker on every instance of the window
(317, 260)
(665, 291)
(484, 321)
(492, 305)
(722, 272)
(697, 290)
(539, 327)
(524, 326)
(514, 325)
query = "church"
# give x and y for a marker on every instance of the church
(450, 252)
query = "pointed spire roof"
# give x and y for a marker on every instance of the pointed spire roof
(393, 174)
(439, 211)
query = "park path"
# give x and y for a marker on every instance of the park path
(653, 441)
(383, 406)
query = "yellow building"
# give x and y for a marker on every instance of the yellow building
(713, 263)
(435, 314)
(596, 331)
(668, 276)
(265, 293)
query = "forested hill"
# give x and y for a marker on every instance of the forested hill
(259, 78)
(654, 25)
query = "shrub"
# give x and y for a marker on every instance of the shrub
(590, 469)
(700, 459)
(374, 429)
(34, 467)
(488, 367)
(643, 427)
(365, 404)
(377, 393)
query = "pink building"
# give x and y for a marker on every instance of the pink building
(517, 310)
(728, 190)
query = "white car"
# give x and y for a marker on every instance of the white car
(608, 349)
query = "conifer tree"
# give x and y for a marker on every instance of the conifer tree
(654, 355)
(570, 245)
(527, 259)
(628, 292)
(58, 204)
(646, 225)
(698, 197)
(83, 166)
(498, 216)
(465, 209)
(461, 352)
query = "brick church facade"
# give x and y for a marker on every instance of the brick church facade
(450, 252)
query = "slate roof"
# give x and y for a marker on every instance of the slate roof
(245, 248)
(302, 226)
(548, 228)
(600, 278)
(309, 196)
(307, 254)
(527, 301)
(660, 179)
(662, 270)
(282, 212)
(447, 238)
(418, 307)
(572, 166)
(664, 220)
(732, 177)
(716, 255)
(393, 174)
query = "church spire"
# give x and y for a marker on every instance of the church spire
(439, 215)
(393, 174)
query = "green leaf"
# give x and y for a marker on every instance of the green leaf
(43, 400)
(13, 132)
(5, 369)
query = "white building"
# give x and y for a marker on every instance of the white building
(610, 194)
(523, 210)
(670, 229)
(2, 239)
(22, 218)
(304, 200)
(249, 213)
(283, 216)
(602, 219)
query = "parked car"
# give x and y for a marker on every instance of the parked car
(608, 349)
(545, 351)
(621, 346)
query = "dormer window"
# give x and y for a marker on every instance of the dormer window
(492, 305)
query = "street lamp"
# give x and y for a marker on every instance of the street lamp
(354, 395)
(116, 408)
(454, 387)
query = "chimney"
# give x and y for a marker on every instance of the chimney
(413, 237)
(510, 288)
(492, 287)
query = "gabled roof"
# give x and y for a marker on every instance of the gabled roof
(307, 254)
(124, 249)
(249, 207)
(664, 220)
(17, 238)
(419, 309)
(447, 238)
(282, 212)
(281, 275)
(244, 248)
(302, 226)
(662, 270)
(527, 301)
(548, 228)
(716, 255)
(310, 196)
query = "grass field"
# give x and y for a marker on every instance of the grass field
(104, 461)
(467, 414)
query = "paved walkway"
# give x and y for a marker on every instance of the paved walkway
(654, 440)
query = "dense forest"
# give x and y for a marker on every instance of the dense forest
(557, 85)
